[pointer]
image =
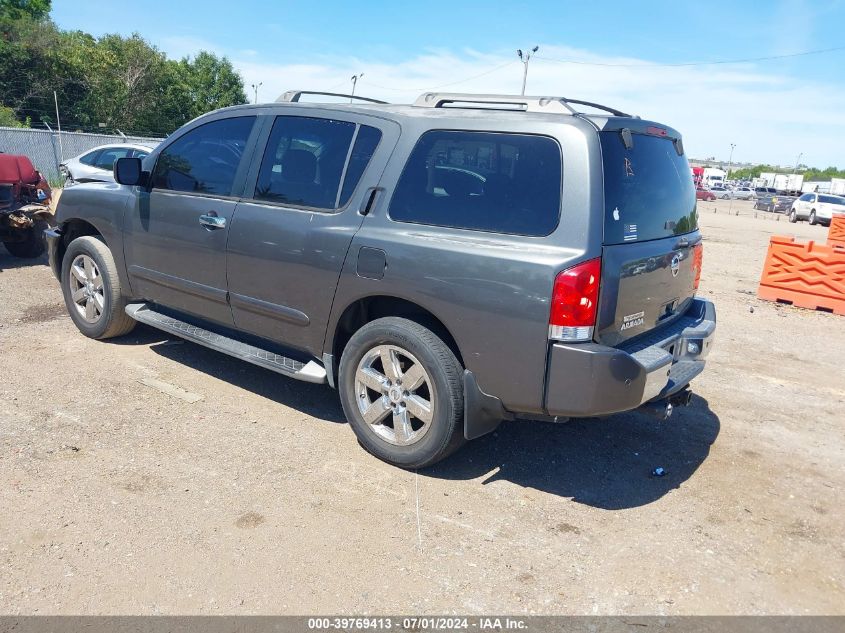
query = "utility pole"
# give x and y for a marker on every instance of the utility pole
(525, 58)
(255, 88)
(59, 125)
(730, 161)
(797, 161)
(354, 80)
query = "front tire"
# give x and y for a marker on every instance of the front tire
(812, 218)
(92, 292)
(33, 244)
(401, 389)
(793, 216)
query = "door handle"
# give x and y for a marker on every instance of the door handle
(211, 221)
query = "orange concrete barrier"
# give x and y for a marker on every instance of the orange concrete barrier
(804, 274)
(836, 232)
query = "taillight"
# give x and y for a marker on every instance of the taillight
(574, 302)
(697, 262)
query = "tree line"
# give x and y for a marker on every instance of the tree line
(810, 173)
(108, 83)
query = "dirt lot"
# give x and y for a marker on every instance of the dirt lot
(119, 498)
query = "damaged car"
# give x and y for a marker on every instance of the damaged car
(24, 207)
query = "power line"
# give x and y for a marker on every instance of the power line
(676, 65)
(446, 85)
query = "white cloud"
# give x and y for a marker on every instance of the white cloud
(770, 117)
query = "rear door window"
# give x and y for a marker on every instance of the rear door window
(648, 191)
(90, 157)
(305, 160)
(494, 182)
(107, 157)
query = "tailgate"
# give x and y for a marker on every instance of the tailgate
(649, 262)
(645, 285)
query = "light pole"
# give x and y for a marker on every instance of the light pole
(797, 161)
(525, 58)
(730, 161)
(355, 79)
(255, 87)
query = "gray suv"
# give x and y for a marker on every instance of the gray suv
(444, 265)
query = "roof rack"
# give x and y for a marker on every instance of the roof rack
(293, 96)
(555, 105)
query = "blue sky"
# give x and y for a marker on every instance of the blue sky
(772, 110)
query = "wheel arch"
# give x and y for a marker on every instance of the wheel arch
(70, 230)
(368, 308)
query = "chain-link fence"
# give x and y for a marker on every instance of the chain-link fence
(46, 150)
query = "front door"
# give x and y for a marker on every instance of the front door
(301, 207)
(176, 247)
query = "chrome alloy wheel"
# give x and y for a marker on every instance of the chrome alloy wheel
(395, 395)
(86, 288)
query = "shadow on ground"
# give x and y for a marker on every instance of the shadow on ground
(10, 262)
(318, 401)
(605, 463)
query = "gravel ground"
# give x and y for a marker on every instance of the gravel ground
(149, 476)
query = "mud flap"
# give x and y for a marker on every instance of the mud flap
(482, 413)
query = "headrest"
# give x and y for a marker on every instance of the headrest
(299, 165)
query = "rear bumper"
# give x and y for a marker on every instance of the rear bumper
(53, 237)
(589, 379)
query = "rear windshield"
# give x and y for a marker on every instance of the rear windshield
(648, 189)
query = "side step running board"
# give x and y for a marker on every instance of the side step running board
(309, 372)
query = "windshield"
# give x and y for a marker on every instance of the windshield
(648, 191)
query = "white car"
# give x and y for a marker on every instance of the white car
(740, 193)
(816, 208)
(95, 165)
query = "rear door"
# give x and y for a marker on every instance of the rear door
(292, 229)
(649, 262)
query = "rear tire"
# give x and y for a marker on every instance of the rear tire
(812, 218)
(92, 292)
(33, 245)
(373, 366)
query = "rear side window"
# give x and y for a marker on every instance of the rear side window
(304, 162)
(832, 200)
(648, 190)
(206, 159)
(500, 183)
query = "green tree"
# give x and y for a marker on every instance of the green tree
(8, 119)
(210, 82)
(18, 9)
(113, 81)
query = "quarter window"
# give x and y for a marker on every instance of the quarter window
(365, 146)
(501, 183)
(206, 159)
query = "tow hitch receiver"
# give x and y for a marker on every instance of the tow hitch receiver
(662, 409)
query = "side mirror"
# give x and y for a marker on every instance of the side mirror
(127, 171)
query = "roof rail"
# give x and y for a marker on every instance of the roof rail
(293, 96)
(555, 105)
